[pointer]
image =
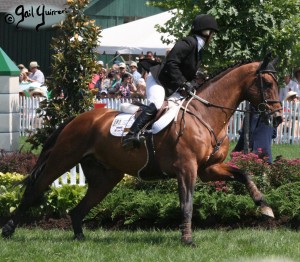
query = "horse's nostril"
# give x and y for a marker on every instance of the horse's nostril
(279, 119)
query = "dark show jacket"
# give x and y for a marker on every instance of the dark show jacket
(180, 66)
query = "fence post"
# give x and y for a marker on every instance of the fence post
(9, 104)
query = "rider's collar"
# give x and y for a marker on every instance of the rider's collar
(200, 41)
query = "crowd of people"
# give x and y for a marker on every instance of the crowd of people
(32, 80)
(122, 80)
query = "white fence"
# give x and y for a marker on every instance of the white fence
(287, 132)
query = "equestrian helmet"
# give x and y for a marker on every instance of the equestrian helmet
(204, 22)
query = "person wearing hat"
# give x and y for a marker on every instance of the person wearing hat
(103, 94)
(292, 96)
(36, 75)
(178, 72)
(122, 68)
(135, 74)
(294, 84)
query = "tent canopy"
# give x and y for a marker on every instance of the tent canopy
(135, 37)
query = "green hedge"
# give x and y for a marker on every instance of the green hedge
(135, 203)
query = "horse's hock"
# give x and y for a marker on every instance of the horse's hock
(9, 104)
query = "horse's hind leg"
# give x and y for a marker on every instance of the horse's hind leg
(37, 184)
(100, 182)
(224, 172)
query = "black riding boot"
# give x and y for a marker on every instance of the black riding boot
(131, 140)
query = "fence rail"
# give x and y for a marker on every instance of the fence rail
(287, 133)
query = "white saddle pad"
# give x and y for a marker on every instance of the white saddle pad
(122, 122)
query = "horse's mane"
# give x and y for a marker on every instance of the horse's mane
(218, 74)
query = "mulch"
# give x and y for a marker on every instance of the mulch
(66, 224)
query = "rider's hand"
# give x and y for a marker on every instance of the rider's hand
(188, 87)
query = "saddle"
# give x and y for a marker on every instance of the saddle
(167, 113)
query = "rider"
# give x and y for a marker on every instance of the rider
(178, 71)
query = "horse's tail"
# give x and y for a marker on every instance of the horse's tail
(44, 155)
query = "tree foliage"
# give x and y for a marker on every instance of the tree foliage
(248, 28)
(73, 64)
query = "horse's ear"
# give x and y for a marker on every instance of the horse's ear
(265, 63)
(274, 61)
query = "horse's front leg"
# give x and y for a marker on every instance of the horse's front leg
(186, 184)
(224, 172)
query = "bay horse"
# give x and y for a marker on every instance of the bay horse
(194, 149)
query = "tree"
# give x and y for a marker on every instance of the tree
(73, 64)
(248, 28)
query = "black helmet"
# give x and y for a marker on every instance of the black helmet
(204, 22)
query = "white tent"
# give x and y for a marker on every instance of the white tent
(135, 37)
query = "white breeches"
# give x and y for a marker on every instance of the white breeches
(155, 92)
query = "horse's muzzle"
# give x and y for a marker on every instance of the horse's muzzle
(273, 119)
(277, 119)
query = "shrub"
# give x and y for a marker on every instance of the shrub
(18, 162)
(284, 171)
(259, 170)
(134, 203)
(285, 200)
(9, 196)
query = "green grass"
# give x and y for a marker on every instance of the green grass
(286, 150)
(212, 245)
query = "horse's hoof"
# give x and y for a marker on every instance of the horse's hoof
(79, 237)
(8, 229)
(267, 211)
(188, 242)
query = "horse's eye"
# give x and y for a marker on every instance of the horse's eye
(267, 84)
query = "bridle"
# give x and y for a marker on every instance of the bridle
(262, 108)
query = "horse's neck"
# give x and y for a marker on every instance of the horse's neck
(226, 93)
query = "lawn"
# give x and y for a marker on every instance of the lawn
(101, 245)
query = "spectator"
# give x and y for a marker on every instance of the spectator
(23, 74)
(122, 69)
(95, 78)
(149, 55)
(24, 78)
(294, 84)
(126, 88)
(140, 89)
(115, 67)
(36, 75)
(135, 74)
(116, 79)
(292, 96)
(284, 89)
(103, 94)
(260, 137)
(22, 68)
(100, 82)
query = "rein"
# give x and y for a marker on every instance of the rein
(214, 105)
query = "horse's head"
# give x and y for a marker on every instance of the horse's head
(265, 93)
